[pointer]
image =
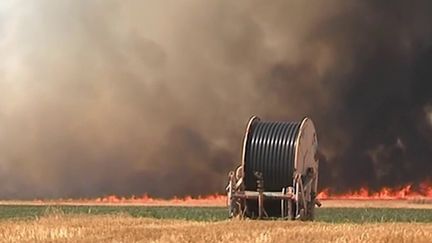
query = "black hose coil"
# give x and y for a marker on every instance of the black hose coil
(270, 149)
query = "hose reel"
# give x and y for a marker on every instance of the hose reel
(278, 174)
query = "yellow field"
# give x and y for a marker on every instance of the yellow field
(123, 228)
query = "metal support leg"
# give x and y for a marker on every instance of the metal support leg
(260, 190)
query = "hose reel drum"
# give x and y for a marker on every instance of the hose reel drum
(278, 174)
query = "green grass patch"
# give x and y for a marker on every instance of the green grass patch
(187, 213)
(331, 215)
(366, 215)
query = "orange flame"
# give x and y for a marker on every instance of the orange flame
(210, 200)
(407, 192)
(423, 190)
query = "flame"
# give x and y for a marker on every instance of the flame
(407, 192)
(422, 190)
(209, 200)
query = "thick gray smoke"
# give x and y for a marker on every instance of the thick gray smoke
(128, 97)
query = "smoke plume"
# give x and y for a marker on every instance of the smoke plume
(127, 97)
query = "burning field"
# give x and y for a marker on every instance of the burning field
(389, 215)
(103, 100)
(399, 214)
(404, 196)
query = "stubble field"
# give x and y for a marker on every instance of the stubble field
(338, 222)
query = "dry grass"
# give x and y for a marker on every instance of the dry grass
(123, 228)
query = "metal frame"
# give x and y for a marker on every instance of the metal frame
(296, 203)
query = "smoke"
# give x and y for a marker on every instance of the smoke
(428, 113)
(128, 97)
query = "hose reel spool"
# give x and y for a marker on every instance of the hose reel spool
(278, 175)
